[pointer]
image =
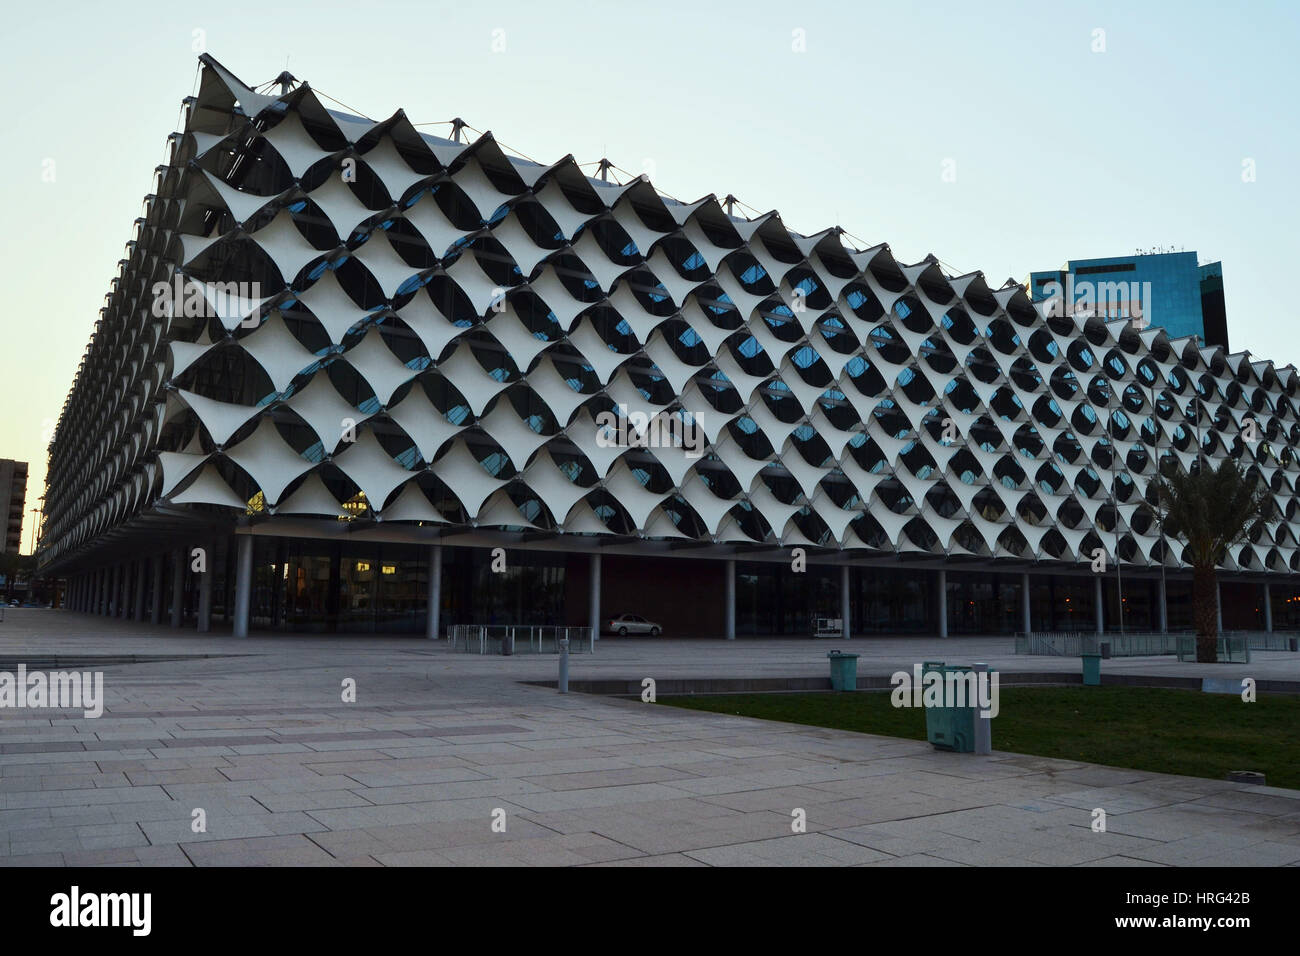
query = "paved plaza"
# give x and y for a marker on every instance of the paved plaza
(439, 747)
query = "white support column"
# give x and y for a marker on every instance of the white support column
(178, 589)
(943, 603)
(434, 609)
(205, 591)
(731, 600)
(1218, 602)
(593, 599)
(1025, 619)
(243, 583)
(1164, 608)
(846, 626)
(155, 608)
(1097, 603)
(137, 602)
(1268, 607)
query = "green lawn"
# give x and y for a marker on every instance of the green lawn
(1167, 731)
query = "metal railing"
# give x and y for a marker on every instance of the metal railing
(518, 639)
(1264, 640)
(1147, 643)
(1057, 643)
(1075, 643)
(1231, 649)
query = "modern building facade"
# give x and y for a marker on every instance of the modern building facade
(1214, 311)
(13, 497)
(355, 377)
(1165, 289)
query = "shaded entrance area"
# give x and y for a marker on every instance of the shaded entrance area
(352, 585)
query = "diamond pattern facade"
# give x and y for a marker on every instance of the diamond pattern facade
(326, 317)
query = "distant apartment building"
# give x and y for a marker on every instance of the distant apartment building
(1169, 290)
(13, 495)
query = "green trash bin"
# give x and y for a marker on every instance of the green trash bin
(1091, 670)
(947, 727)
(844, 671)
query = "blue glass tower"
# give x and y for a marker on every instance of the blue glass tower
(1166, 289)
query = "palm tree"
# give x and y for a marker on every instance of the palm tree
(1212, 510)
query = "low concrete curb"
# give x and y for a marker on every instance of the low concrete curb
(668, 687)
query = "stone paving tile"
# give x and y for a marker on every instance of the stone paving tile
(552, 850)
(162, 856)
(1120, 861)
(804, 849)
(439, 811)
(1220, 850)
(916, 859)
(33, 859)
(663, 859)
(221, 828)
(659, 836)
(101, 857)
(518, 790)
(276, 851)
(318, 800)
(1267, 803)
(605, 778)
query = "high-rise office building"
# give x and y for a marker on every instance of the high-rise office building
(1165, 289)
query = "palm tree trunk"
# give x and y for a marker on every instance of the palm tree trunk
(1205, 613)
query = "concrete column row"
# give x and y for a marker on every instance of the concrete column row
(120, 591)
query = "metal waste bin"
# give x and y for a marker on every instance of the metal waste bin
(1091, 670)
(844, 671)
(949, 727)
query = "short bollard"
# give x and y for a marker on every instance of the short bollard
(983, 725)
(564, 666)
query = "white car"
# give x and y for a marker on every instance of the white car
(626, 624)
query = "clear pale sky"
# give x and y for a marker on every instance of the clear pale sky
(1059, 152)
